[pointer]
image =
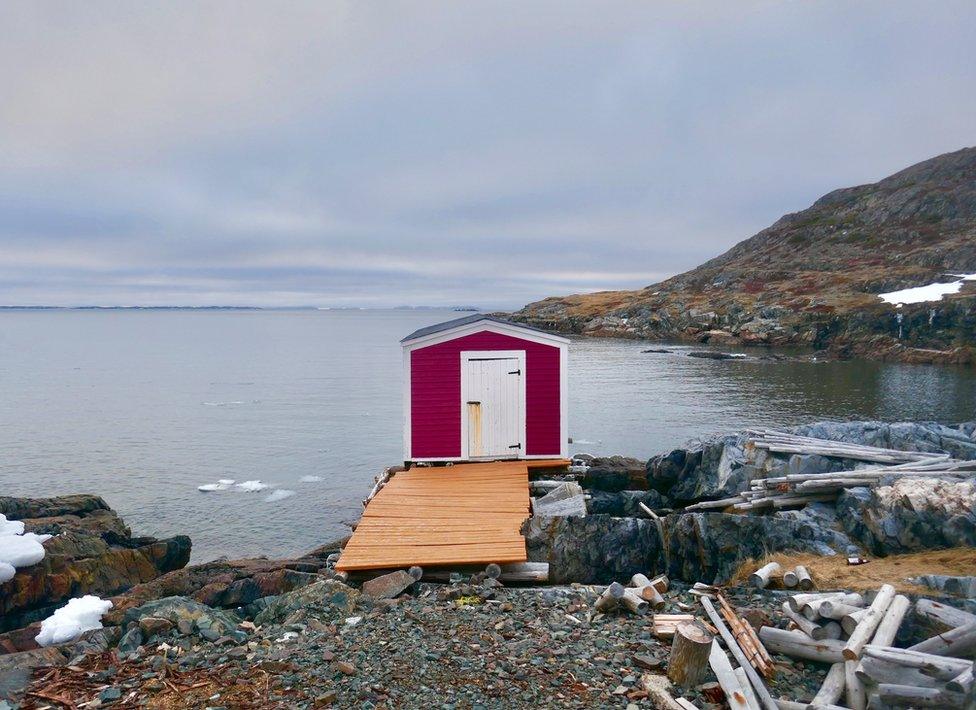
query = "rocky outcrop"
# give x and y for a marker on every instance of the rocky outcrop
(709, 547)
(92, 552)
(597, 548)
(625, 503)
(813, 277)
(911, 514)
(223, 583)
(710, 468)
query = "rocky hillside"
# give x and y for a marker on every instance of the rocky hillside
(813, 277)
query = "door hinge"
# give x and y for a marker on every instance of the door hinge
(515, 446)
(516, 372)
(473, 402)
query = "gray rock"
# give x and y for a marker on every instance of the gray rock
(911, 514)
(131, 640)
(332, 599)
(957, 586)
(389, 585)
(15, 669)
(709, 547)
(597, 548)
(565, 499)
(182, 612)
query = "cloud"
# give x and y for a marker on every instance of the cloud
(346, 153)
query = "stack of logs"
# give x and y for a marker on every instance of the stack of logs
(867, 669)
(797, 490)
(639, 597)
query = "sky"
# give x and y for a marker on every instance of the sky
(379, 154)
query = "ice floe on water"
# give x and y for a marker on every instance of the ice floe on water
(222, 404)
(18, 548)
(72, 620)
(222, 485)
(251, 486)
(310, 479)
(279, 494)
(930, 292)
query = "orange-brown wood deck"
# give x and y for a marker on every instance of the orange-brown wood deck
(445, 515)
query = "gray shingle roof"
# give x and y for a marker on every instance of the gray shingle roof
(465, 320)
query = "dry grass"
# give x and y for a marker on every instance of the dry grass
(835, 573)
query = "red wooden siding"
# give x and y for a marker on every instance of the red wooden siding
(435, 395)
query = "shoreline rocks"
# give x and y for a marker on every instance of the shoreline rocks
(92, 551)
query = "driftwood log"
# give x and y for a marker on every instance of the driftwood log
(610, 597)
(888, 628)
(832, 688)
(837, 610)
(762, 576)
(690, 649)
(941, 617)
(919, 697)
(869, 622)
(798, 601)
(798, 645)
(959, 642)
(854, 694)
(734, 694)
(941, 667)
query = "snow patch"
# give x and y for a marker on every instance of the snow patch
(931, 292)
(251, 486)
(72, 620)
(310, 479)
(18, 548)
(279, 494)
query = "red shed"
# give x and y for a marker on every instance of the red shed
(483, 388)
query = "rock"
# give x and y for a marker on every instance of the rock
(911, 514)
(715, 355)
(218, 584)
(210, 623)
(92, 553)
(154, 626)
(605, 479)
(625, 503)
(330, 598)
(389, 585)
(346, 668)
(709, 547)
(597, 548)
(15, 669)
(956, 586)
(110, 695)
(131, 640)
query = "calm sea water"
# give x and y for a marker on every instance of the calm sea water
(142, 407)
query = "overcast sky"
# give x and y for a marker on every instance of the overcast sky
(382, 153)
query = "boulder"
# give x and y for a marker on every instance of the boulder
(184, 613)
(390, 585)
(92, 552)
(597, 548)
(709, 547)
(911, 514)
(329, 598)
(615, 473)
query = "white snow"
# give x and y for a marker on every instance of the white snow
(310, 479)
(252, 486)
(73, 619)
(279, 494)
(931, 292)
(7, 572)
(18, 548)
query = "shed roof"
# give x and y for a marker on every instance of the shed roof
(468, 320)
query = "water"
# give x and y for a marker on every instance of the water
(142, 407)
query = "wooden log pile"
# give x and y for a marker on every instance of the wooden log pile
(641, 595)
(799, 489)
(867, 669)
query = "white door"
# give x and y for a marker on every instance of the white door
(493, 407)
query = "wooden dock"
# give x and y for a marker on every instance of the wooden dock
(447, 515)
